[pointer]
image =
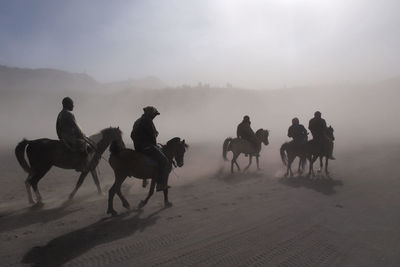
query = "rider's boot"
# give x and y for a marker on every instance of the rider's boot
(84, 166)
(331, 157)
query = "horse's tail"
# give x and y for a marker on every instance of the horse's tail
(225, 147)
(20, 154)
(283, 154)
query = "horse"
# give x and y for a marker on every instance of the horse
(127, 162)
(315, 149)
(239, 145)
(289, 151)
(44, 153)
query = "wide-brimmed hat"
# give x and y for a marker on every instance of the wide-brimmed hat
(151, 110)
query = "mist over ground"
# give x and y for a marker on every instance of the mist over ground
(359, 113)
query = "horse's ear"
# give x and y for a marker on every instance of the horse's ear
(183, 143)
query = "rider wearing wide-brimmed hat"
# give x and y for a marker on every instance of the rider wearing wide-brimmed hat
(144, 137)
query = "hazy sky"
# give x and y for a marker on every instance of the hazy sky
(259, 44)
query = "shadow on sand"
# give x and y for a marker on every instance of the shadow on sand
(71, 245)
(237, 177)
(322, 185)
(34, 214)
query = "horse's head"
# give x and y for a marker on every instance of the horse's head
(176, 149)
(112, 134)
(329, 133)
(263, 135)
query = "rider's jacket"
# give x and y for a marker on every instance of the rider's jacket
(67, 127)
(297, 132)
(144, 133)
(317, 126)
(244, 131)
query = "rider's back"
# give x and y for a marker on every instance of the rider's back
(317, 126)
(143, 133)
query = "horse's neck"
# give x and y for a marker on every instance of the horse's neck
(167, 150)
(101, 141)
(259, 136)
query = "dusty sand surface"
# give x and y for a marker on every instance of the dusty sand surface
(218, 219)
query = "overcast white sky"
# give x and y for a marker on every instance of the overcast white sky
(249, 43)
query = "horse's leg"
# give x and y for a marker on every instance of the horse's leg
(111, 194)
(151, 191)
(290, 162)
(35, 180)
(299, 168)
(78, 184)
(258, 163)
(320, 164)
(125, 203)
(96, 180)
(311, 170)
(250, 159)
(326, 166)
(233, 161)
(235, 158)
(166, 201)
(28, 189)
(144, 183)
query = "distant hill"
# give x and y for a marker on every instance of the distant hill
(149, 82)
(44, 80)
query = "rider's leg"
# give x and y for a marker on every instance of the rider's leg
(163, 164)
(330, 149)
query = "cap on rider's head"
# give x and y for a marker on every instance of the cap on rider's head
(67, 102)
(317, 114)
(246, 118)
(150, 110)
(295, 121)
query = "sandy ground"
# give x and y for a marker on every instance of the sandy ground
(218, 219)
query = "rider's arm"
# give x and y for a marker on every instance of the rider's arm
(289, 132)
(76, 129)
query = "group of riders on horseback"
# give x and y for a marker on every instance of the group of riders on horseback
(318, 128)
(150, 160)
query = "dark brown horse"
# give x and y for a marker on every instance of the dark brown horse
(44, 153)
(238, 146)
(127, 162)
(289, 151)
(320, 149)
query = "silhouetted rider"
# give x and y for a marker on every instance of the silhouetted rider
(298, 132)
(317, 126)
(68, 130)
(144, 135)
(245, 132)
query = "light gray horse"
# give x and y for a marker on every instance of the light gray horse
(239, 145)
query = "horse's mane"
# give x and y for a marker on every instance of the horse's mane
(116, 147)
(173, 140)
(105, 130)
(259, 130)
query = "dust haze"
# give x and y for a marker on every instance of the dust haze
(202, 113)
(204, 65)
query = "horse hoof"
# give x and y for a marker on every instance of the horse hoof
(112, 212)
(167, 204)
(141, 204)
(126, 206)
